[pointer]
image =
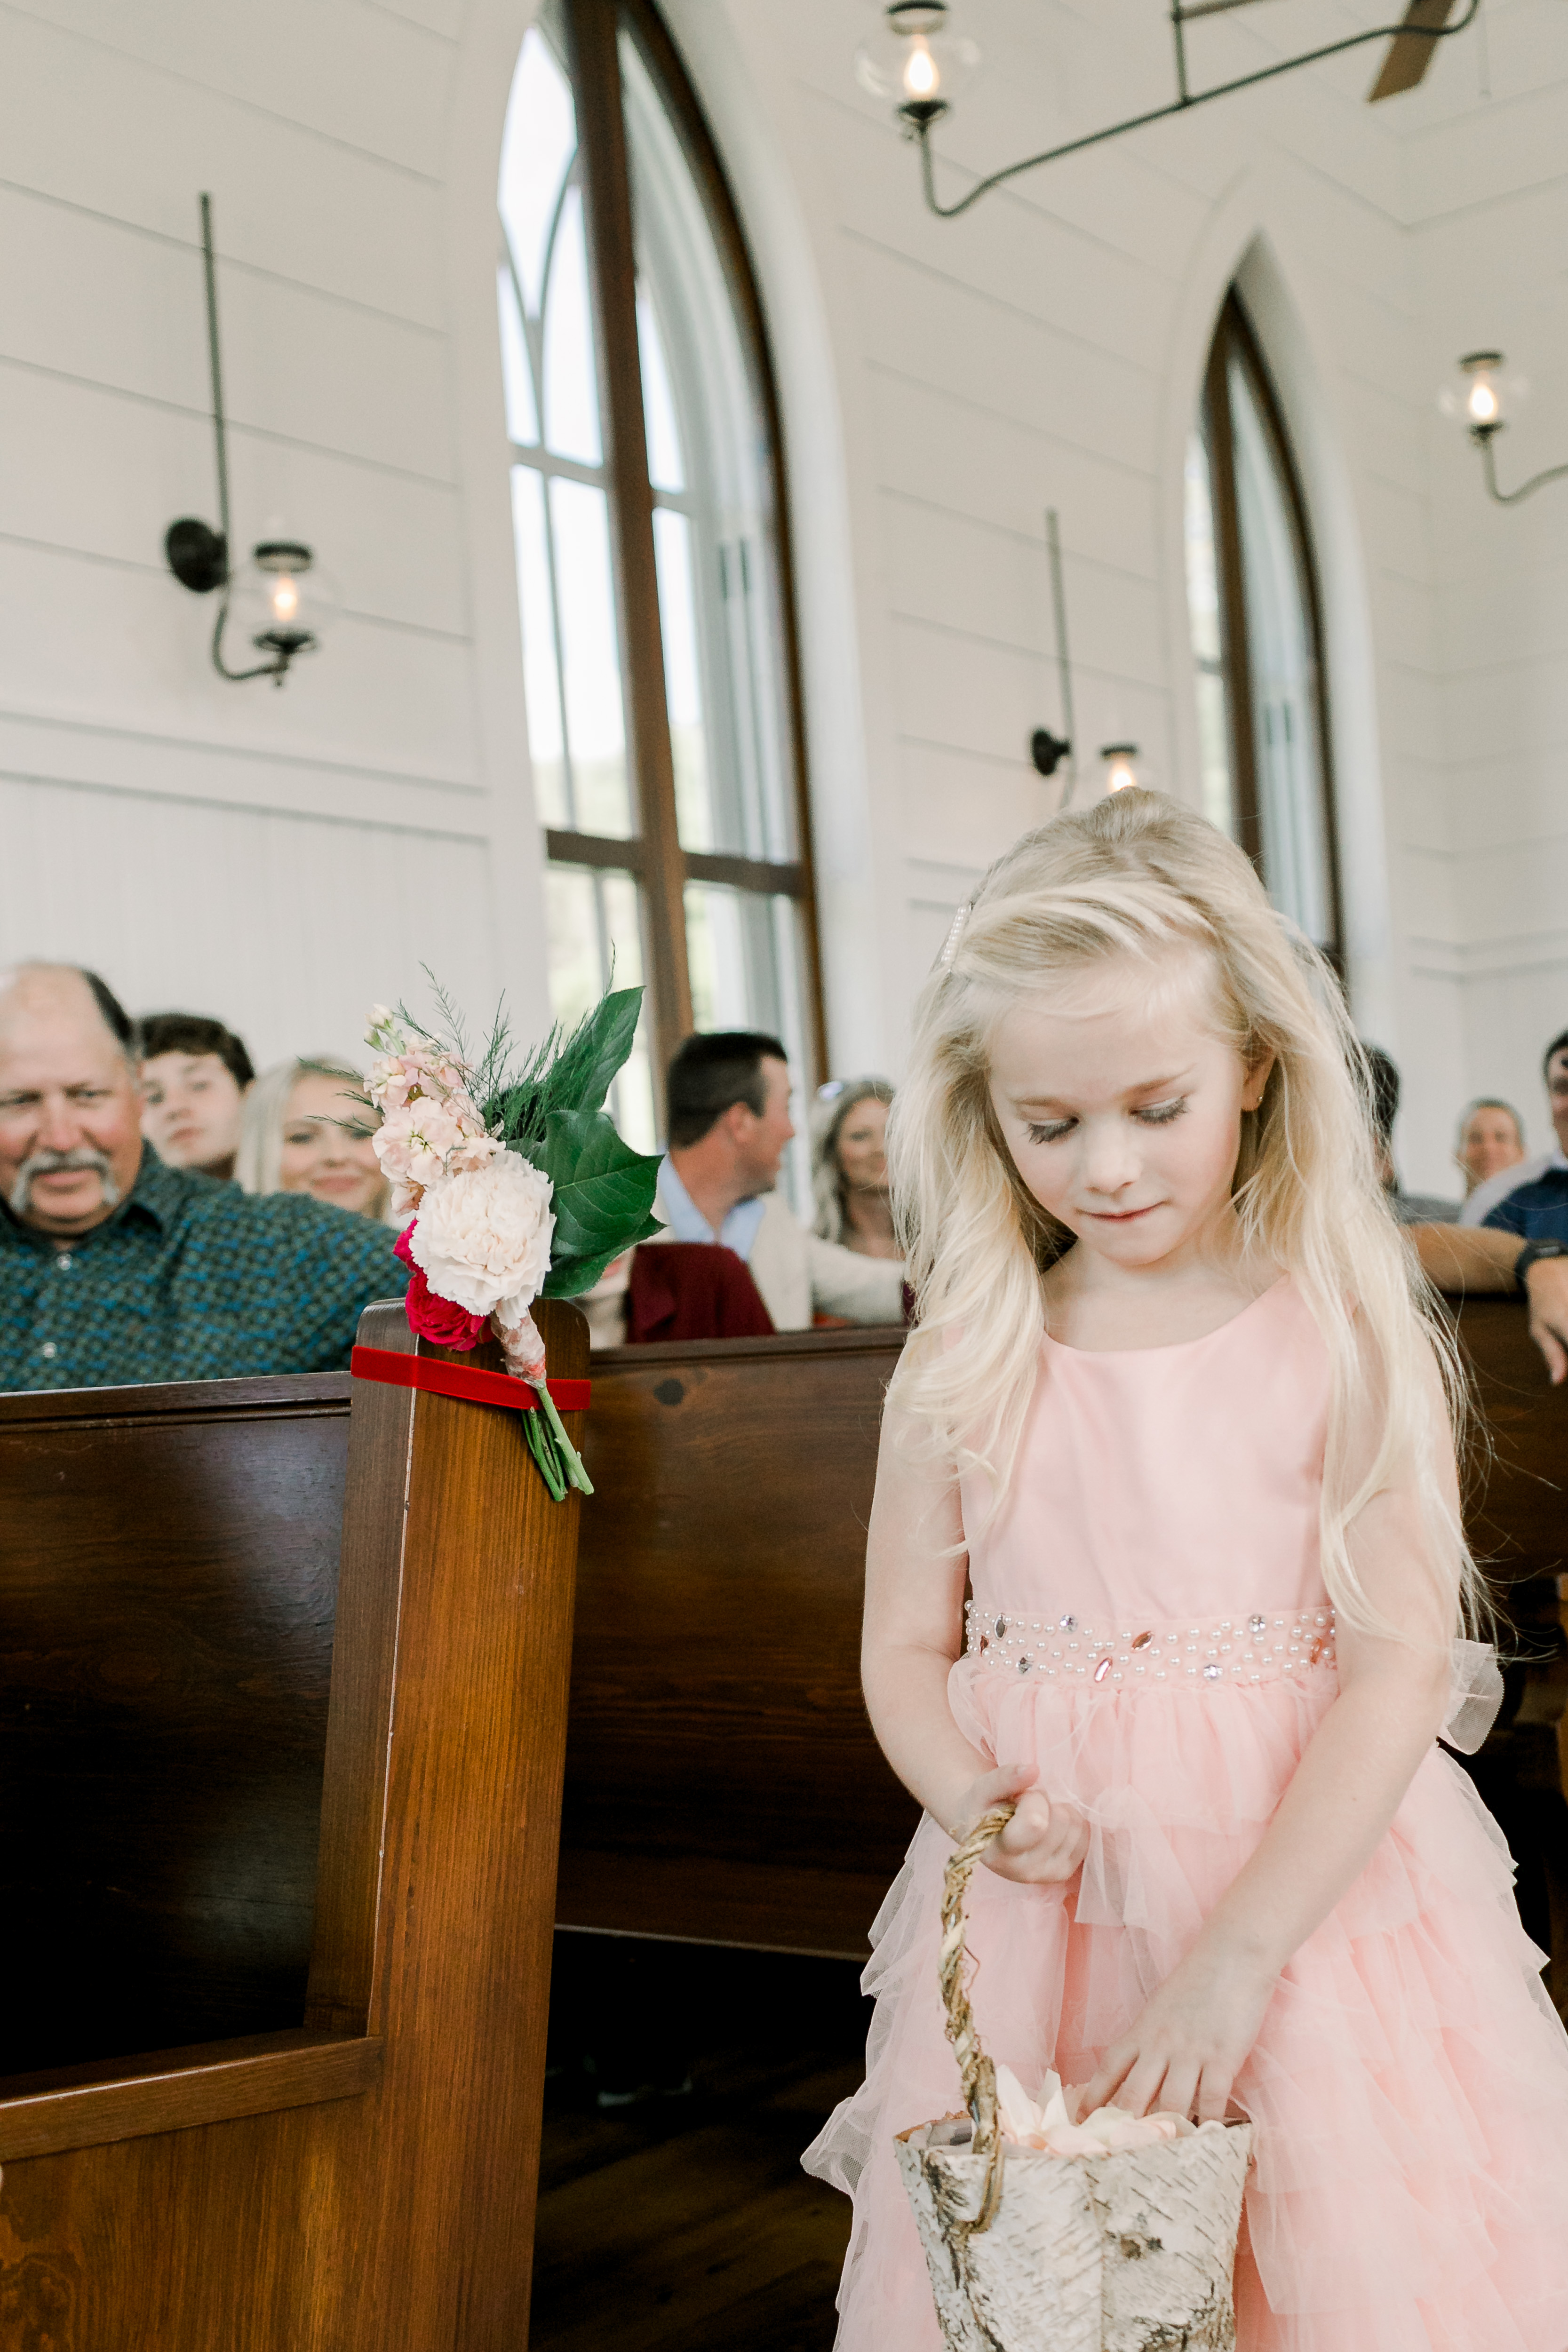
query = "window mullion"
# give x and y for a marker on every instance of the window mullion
(593, 29)
(1233, 598)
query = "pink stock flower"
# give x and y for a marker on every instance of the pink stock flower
(417, 1143)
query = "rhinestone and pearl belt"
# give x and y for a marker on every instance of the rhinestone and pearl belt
(1263, 1647)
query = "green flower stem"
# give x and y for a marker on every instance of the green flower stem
(569, 1455)
(540, 1445)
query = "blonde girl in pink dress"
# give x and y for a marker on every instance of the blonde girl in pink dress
(1178, 1407)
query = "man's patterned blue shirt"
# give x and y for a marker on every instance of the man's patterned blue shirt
(190, 1280)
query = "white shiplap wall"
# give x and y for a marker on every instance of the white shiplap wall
(282, 857)
(278, 856)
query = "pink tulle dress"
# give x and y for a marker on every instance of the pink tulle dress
(1150, 1629)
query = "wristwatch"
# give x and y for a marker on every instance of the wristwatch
(1532, 1255)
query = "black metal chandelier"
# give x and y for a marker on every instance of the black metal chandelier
(918, 57)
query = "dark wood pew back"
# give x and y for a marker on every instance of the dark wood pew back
(1517, 1519)
(168, 1581)
(364, 2173)
(723, 1783)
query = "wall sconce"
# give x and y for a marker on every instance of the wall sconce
(279, 598)
(1121, 766)
(916, 58)
(1480, 405)
(1048, 751)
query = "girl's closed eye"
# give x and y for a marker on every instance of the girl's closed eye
(1051, 1131)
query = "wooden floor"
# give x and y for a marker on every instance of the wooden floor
(684, 2219)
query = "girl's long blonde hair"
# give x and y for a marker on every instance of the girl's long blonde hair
(1138, 875)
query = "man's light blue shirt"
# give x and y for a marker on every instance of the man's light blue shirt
(687, 1223)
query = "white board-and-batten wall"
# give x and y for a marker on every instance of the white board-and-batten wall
(282, 857)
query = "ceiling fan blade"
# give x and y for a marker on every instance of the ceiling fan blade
(1411, 51)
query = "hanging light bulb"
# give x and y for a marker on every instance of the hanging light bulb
(915, 58)
(281, 601)
(1483, 397)
(1121, 766)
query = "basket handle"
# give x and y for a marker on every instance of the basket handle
(976, 2071)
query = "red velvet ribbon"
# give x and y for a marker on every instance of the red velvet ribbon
(400, 1371)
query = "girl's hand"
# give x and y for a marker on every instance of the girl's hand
(1191, 2042)
(1041, 1843)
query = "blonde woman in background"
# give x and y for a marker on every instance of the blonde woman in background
(291, 1138)
(849, 1166)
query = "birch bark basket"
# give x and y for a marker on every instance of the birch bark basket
(1033, 2253)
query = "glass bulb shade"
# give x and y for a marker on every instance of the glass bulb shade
(915, 57)
(1481, 395)
(1120, 768)
(281, 601)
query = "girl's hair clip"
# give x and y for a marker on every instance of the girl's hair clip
(949, 945)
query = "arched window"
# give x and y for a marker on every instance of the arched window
(1252, 596)
(653, 561)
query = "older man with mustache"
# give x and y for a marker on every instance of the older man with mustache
(115, 1269)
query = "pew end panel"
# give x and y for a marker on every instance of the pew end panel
(723, 1782)
(367, 2178)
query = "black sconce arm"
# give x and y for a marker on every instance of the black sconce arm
(1489, 467)
(921, 123)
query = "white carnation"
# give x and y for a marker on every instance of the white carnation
(483, 1235)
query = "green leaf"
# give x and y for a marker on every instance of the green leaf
(569, 1278)
(571, 1073)
(580, 1079)
(604, 1191)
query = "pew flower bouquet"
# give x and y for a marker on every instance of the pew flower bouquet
(518, 1184)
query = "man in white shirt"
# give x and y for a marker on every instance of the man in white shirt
(728, 1096)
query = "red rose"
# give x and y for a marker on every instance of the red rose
(437, 1319)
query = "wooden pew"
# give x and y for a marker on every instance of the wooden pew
(333, 2145)
(722, 1784)
(1518, 1522)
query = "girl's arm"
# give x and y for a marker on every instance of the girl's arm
(1186, 2051)
(915, 1567)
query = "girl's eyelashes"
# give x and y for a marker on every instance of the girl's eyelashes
(1051, 1131)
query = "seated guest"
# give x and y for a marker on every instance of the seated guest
(727, 1099)
(293, 1138)
(116, 1269)
(849, 1166)
(194, 1073)
(1530, 1198)
(1409, 1208)
(1513, 1231)
(1542, 1167)
(729, 1125)
(1491, 1141)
